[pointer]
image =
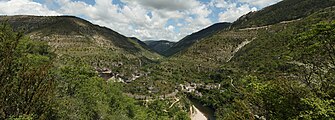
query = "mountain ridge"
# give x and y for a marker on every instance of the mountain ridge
(65, 25)
(160, 46)
(294, 9)
(75, 38)
(259, 18)
(194, 37)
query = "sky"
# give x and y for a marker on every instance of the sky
(145, 19)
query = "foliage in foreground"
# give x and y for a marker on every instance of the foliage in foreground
(302, 88)
(35, 85)
(26, 86)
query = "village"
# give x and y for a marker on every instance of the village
(109, 75)
(190, 88)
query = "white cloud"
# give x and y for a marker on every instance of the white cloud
(260, 3)
(132, 19)
(235, 12)
(170, 5)
(221, 3)
(144, 19)
(233, 9)
(27, 7)
(254, 3)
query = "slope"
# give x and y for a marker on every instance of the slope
(38, 84)
(283, 11)
(263, 79)
(222, 46)
(193, 38)
(227, 56)
(159, 46)
(142, 44)
(73, 38)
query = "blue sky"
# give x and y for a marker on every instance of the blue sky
(145, 19)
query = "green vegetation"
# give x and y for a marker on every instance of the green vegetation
(35, 84)
(72, 39)
(283, 11)
(25, 79)
(189, 40)
(159, 46)
(285, 70)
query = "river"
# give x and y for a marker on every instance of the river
(201, 112)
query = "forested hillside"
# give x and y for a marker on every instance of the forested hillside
(159, 46)
(283, 73)
(189, 40)
(54, 75)
(278, 71)
(276, 63)
(74, 38)
(285, 10)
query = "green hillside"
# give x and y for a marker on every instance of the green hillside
(262, 70)
(143, 44)
(75, 38)
(195, 37)
(49, 70)
(285, 10)
(270, 77)
(159, 46)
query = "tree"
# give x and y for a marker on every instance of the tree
(314, 50)
(25, 83)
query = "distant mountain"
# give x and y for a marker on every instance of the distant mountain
(142, 44)
(195, 37)
(283, 11)
(159, 46)
(76, 38)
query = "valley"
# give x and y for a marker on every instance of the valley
(275, 63)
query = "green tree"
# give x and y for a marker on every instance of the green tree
(25, 83)
(314, 50)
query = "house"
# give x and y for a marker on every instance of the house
(188, 87)
(105, 73)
